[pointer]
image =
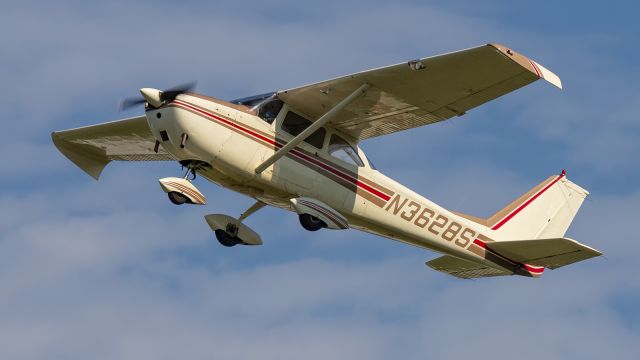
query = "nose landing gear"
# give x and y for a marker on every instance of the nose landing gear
(227, 240)
(231, 231)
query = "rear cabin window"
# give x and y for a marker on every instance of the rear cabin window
(294, 124)
(340, 148)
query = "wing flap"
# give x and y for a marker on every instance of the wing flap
(550, 253)
(464, 269)
(91, 148)
(420, 92)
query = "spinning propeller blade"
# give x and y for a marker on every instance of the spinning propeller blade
(171, 93)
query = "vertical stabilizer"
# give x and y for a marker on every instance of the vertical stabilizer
(546, 211)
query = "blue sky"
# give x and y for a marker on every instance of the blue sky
(111, 269)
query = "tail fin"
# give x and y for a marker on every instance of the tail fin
(544, 212)
(529, 232)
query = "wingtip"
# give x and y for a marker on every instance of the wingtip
(524, 61)
(548, 75)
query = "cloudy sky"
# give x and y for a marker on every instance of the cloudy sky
(112, 270)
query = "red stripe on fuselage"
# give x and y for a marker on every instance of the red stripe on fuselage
(294, 152)
(342, 175)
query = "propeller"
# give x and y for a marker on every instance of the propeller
(164, 95)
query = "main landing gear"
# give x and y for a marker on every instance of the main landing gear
(311, 223)
(231, 232)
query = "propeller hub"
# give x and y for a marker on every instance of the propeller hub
(156, 98)
(152, 96)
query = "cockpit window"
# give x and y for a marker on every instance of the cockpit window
(269, 110)
(340, 148)
(294, 124)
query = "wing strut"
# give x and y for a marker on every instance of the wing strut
(312, 128)
(255, 207)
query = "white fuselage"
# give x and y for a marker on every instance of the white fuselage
(234, 141)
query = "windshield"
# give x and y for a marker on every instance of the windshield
(252, 101)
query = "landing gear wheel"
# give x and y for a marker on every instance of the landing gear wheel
(177, 198)
(311, 223)
(226, 239)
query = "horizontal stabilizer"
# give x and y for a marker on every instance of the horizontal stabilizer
(550, 253)
(464, 269)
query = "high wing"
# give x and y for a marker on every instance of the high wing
(420, 92)
(93, 147)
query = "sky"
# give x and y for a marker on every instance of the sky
(112, 270)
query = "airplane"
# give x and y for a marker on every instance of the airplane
(297, 149)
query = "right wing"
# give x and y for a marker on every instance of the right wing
(464, 269)
(93, 147)
(420, 92)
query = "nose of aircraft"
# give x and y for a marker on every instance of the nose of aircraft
(152, 96)
(155, 97)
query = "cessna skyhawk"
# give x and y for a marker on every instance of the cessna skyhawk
(297, 149)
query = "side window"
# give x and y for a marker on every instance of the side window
(341, 149)
(294, 124)
(270, 110)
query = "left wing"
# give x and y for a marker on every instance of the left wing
(419, 92)
(93, 147)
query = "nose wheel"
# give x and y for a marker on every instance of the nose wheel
(231, 231)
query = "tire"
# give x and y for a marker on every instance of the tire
(311, 223)
(177, 198)
(226, 239)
